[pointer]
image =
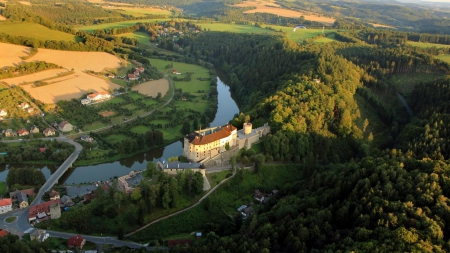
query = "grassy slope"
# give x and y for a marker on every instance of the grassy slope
(425, 44)
(327, 39)
(234, 28)
(445, 57)
(34, 30)
(141, 12)
(143, 38)
(405, 83)
(90, 28)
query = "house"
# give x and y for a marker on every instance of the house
(85, 101)
(198, 234)
(48, 132)
(111, 75)
(174, 71)
(30, 110)
(136, 72)
(39, 235)
(127, 182)
(316, 80)
(258, 195)
(67, 201)
(241, 208)
(76, 242)
(34, 130)
(86, 138)
(54, 195)
(55, 211)
(29, 192)
(42, 150)
(131, 77)
(247, 211)
(5, 205)
(3, 112)
(141, 69)
(10, 133)
(65, 126)
(22, 200)
(98, 96)
(23, 132)
(3, 233)
(23, 105)
(175, 167)
(40, 211)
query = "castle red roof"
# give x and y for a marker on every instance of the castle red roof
(224, 132)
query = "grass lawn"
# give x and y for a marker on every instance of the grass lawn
(115, 100)
(114, 138)
(192, 86)
(159, 121)
(149, 102)
(197, 106)
(405, 83)
(130, 106)
(300, 34)
(217, 177)
(34, 30)
(135, 95)
(90, 154)
(426, 44)
(90, 28)
(2, 188)
(445, 57)
(11, 219)
(143, 38)
(140, 12)
(140, 129)
(172, 133)
(327, 39)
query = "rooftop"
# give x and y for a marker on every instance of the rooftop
(219, 133)
(179, 165)
(5, 202)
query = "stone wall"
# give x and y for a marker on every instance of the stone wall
(223, 158)
(174, 171)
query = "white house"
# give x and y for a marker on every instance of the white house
(98, 96)
(85, 101)
(5, 205)
(3, 112)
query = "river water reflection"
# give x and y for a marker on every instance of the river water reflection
(226, 109)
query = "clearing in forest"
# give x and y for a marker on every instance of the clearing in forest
(152, 88)
(272, 8)
(381, 25)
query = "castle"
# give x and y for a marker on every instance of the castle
(205, 144)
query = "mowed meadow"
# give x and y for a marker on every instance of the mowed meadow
(64, 87)
(34, 30)
(91, 28)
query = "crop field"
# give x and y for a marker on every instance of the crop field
(90, 28)
(35, 76)
(35, 31)
(152, 88)
(11, 54)
(143, 38)
(445, 57)
(272, 8)
(138, 11)
(2, 18)
(66, 87)
(426, 44)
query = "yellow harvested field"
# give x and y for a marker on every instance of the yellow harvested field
(152, 88)
(2, 18)
(66, 87)
(139, 10)
(381, 25)
(11, 54)
(34, 77)
(270, 7)
(25, 3)
(73, 86)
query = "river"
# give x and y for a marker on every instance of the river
(227, 108)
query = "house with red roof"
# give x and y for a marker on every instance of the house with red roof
(76, 241)
(41, 211)
(5, 205)
(22, 132)
(132, 77)
(3, 233)
(141, 69)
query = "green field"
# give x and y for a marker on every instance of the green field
(2, 188)
(35, 31)
(90, 28)
(194, 85)
(233, 28)
(426, 44)
(327, 39)
(141, 12)
(143, 38)
(140, 129)
(114, 138)
(300, 34)
(445, 57)
(405, 83)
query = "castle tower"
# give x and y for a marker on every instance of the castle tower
(247, 128)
